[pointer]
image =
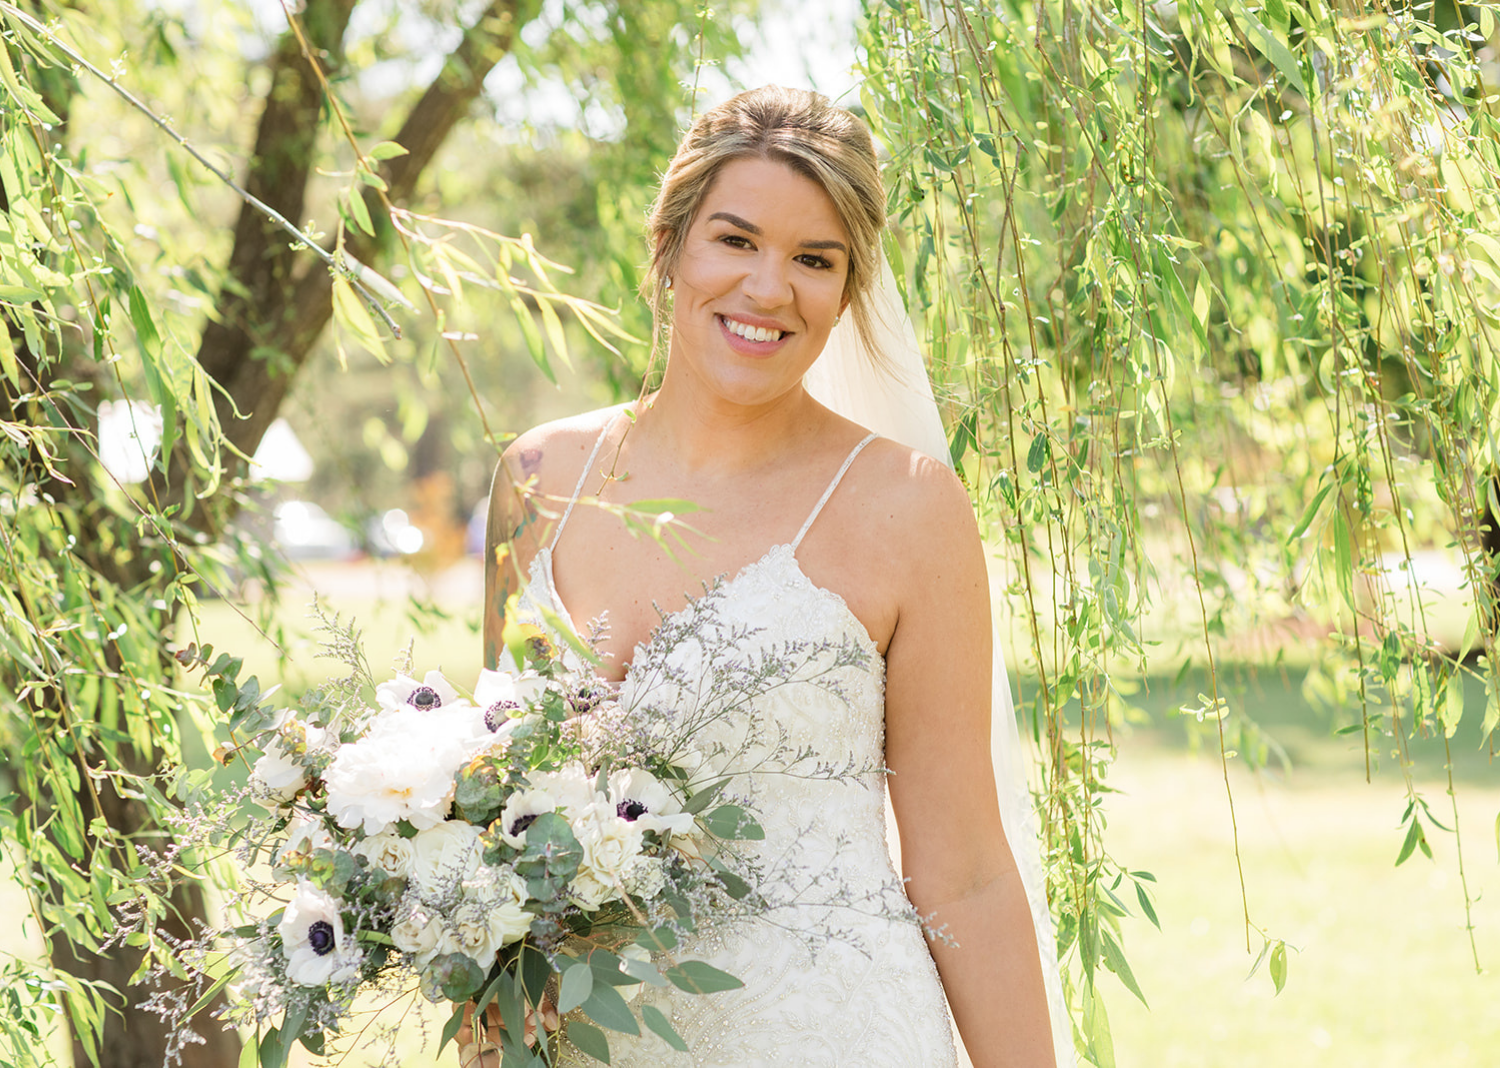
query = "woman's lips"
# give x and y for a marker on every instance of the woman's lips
(734, 331)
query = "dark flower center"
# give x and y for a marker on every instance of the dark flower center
(586, 699)
(320, 937)
(630, 810)
(520, 825)
(424, 698)
(499, 712)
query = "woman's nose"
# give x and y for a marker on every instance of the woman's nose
(768, 283)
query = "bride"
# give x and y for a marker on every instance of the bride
(765, 237)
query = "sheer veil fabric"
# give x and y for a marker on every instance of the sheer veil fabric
(896, 401)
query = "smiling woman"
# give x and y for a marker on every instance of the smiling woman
(766, 231)
(759, 285)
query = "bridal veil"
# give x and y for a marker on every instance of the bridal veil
(893, 397)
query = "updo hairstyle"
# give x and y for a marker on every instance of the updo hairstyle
(795, 127)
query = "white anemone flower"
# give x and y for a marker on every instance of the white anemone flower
(433, 691)
(520, 812)
(642, 798)
(314, 940)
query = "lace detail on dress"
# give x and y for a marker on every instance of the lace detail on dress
(837, 972)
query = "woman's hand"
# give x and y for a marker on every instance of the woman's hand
(484, 1051)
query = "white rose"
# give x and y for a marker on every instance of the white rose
(644, 877)
(609, 842)
(313, 939)
(444, 856)
(630, 991)
(589, 890)
(488, 918)
(416, 931)
(609, 846)
(280, 774)
(390, 853)
(304, 834)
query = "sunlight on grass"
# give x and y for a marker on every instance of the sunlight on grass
(1380, 972)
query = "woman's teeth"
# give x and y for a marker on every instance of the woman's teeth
(752, 333)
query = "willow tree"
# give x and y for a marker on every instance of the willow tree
(293, 198)
(1213, 288)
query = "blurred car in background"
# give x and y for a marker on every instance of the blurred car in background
(392, 533)
(302, 530)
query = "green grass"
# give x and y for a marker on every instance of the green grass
(1381, 971)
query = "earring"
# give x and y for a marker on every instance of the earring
(669, 281)
(837, 319)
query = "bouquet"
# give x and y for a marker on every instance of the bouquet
(531, 846)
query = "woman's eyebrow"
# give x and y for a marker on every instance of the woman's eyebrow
(750, 228)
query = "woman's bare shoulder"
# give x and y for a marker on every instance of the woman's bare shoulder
(549, 457)
(920, 501)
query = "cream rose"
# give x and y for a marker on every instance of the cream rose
(416, 932)
(444, 856)
(390, 853)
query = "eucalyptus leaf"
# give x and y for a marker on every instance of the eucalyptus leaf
(699, 977)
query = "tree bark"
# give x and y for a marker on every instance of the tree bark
(259, 339)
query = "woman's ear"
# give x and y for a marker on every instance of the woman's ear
(659, 244)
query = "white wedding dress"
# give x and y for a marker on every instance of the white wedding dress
(842, 974)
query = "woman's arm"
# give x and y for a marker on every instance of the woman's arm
(962, 874)
(511, 536)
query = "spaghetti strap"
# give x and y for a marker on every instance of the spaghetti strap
(837, 478)
(578, 489)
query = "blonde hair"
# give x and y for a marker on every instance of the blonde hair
(795, 127)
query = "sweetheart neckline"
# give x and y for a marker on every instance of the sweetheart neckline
(861, 632)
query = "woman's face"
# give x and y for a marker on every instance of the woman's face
(759, 282)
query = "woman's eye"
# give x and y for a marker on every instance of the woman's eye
(817, 262)
(736, 240)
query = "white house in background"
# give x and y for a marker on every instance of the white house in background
(130, 435)
(280, 457)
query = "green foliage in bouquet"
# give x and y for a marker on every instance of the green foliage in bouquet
(546, 847)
